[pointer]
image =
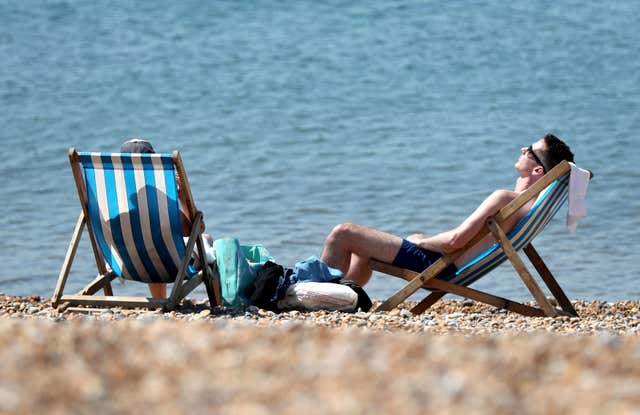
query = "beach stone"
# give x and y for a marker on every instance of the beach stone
(107, 314)
(204, 313)
(406, 313)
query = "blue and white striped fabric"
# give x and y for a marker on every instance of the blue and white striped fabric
(545, 207)
(135, 214)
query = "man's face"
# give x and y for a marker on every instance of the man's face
(527, 162)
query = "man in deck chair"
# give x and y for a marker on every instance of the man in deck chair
(349, 246)
(159, 289)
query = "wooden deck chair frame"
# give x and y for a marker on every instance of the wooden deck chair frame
(86, 296)
(426, 279)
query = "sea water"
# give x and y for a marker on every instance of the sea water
(294, 116)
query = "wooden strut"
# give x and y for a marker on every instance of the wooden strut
(115, 301)
(521, 269)
(549, 280)
(476, 295)
(68, 260)
(182, 270)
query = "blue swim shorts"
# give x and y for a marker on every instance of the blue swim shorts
(411, 257)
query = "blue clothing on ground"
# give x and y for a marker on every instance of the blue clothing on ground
(416, 259)
(314, 270)
(311, 269)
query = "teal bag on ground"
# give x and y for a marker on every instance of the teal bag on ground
(237, 267)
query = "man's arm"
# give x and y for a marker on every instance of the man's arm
(185, 219)
(459, 236)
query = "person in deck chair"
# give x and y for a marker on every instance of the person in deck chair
(159, 290)
(350, 246)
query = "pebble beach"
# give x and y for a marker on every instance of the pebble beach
(459, 357)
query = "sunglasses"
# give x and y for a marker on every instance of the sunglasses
(536, 158)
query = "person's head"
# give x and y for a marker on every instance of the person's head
(556, 151)
(137, 145)
(543, 155)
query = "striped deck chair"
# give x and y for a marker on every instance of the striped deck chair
(133, 211)
(551, 192)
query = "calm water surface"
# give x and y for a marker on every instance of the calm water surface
(295, 116)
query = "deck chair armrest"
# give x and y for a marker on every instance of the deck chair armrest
(183, 183)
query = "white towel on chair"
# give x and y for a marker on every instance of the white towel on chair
(578, 183)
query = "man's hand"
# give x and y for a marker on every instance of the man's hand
(416, 238)
(422, 242)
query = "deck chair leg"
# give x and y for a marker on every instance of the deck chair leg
(415, 284)
(549, 279)
(100, 282)
(177, 285)
(427, 302)
(107, 289)
(212, 284)
(213, 291)
(68, 260)
(520, 268)
(190, 285)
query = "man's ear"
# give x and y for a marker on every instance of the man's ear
(538, 170)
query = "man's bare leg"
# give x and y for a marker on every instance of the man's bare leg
(359, 270)
(158, 289)
(349, 248)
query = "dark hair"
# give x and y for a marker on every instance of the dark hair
(137, 145)
(557, 150)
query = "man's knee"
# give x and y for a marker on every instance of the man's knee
(342, 232)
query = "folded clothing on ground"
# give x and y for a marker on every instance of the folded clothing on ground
(314, 296)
